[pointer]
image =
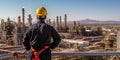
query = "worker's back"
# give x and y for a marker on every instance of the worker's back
(41, 35)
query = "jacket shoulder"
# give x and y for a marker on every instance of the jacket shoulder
(49, 26)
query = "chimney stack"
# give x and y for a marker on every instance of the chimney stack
(65, 21)
(23, 15)
(30, 19)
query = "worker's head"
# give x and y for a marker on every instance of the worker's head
(41, 14)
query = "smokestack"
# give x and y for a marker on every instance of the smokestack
(30, 19)
(23, 15)
(19, 21)
(60, 20)
(23, 19)
(57, 21)
(54, 23)
(2, 24)
(74, 23)
(8, 19)
(65, 20)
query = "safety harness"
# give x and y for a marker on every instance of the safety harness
(36, 54)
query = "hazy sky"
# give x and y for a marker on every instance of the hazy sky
(75, 9)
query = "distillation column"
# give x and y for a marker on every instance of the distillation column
(3, 37)
(23, 19)
(30, 19)
(60, 23)
(65, 21)
(57, 21)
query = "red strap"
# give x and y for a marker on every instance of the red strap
(38, 53)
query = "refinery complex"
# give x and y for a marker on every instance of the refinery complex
(76, 38)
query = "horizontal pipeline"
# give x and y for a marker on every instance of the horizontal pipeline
(2, 56)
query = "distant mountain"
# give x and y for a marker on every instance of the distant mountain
(91, 21)
(88, 20)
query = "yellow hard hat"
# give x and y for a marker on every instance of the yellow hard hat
(41, 11)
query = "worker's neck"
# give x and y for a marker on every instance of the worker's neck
(40, 21)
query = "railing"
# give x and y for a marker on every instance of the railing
(87, 55)
(69, 56)
(105, 54)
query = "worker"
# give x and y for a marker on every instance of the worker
(37, 40)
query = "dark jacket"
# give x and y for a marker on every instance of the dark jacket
(39, 35)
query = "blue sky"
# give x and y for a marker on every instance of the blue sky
(75, 9)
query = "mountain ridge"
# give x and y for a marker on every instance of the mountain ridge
(91, 21)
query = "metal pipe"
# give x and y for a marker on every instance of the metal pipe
(85, 53)
(4, 56)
